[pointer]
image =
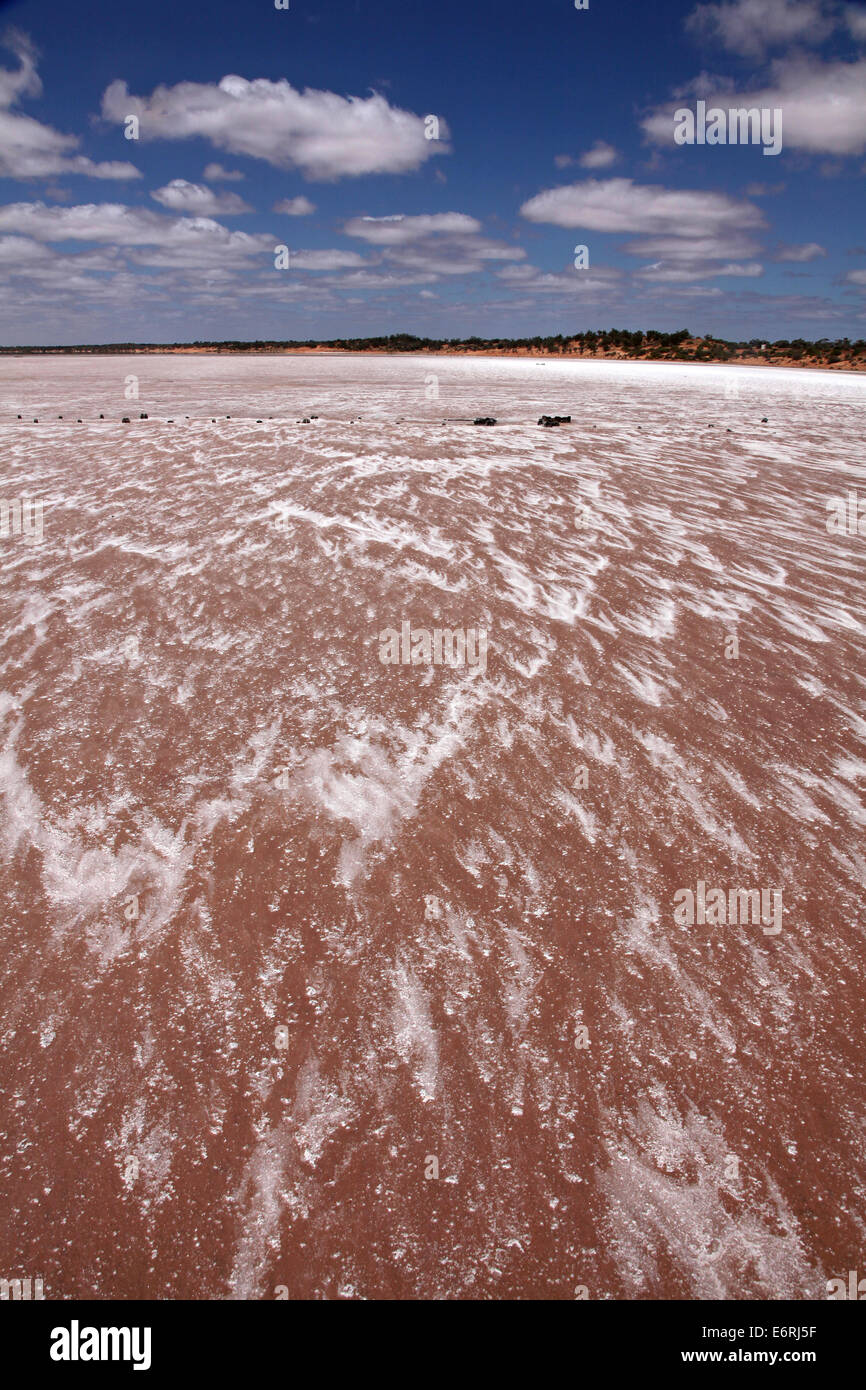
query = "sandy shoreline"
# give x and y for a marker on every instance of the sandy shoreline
(522, 353)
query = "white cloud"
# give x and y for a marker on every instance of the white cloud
(592, 282)
(620, 205)
(808, 251)
(601, 156)
(182, 196)
(26, 82)
(21, 251)
(215, 173)
(432, 244)
(30, 150)
(693, 248)
(684, 272)
(325, 135)
(856, 277)
(855, 19)
(151, 237)
(325, 260)
(201, 261)
(398, 229)
(197, 242)
(689, 235)
(111, 222)
(295, 207)
(750, 27)
(823, 105)
(454, 255)
(694, 292)
(383, 279)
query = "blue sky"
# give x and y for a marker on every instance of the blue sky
(308, 128)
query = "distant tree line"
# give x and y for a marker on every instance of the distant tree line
(651, 345)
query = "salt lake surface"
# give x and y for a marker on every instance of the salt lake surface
(287, 930)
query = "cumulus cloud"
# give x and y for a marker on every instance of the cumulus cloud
(325, 135)
(182, 196)
(693, 248)
(112, 222)
(856, 277)
(32, 261)
(325, 260)
(30, 150)
(432, 244)
(454, 255)
(215, 173)
(151, 238)
(26, 82)
(823, 105)
(21, 251)
(601, 156)
(200, 257)
(383, 279)
(398, 228)
(198, 243)
(855, 20)
(295, 207)
(620, 205)
(750, 27)
(684, 272)
(692, 292)
(589, 283)
(808, 251)
(687, 235)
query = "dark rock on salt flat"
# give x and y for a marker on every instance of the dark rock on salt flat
(549, 420)
(484, 420)
(142, 416)
(125, 420)
(763, 419)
